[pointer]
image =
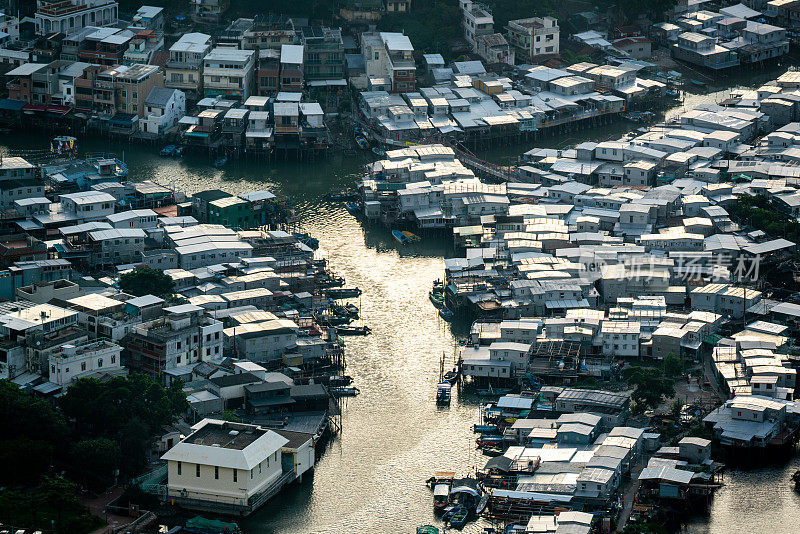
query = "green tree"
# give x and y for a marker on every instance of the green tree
(147, 281)
(651, 386)
(676, 407)
(33, 436)
(673, 365)
(93, 462)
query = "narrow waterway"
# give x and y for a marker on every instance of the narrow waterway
(394, 437)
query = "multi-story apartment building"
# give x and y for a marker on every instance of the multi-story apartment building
(477, 21)
(124, 89)
(400, 66)
(71, 15)
(10, 26)
(228, 72)
(269, 31)
(184, 70)
(105, 46)
(182, 337)
(534, 38)
(268, 72)
(324, 53)
(291, 75)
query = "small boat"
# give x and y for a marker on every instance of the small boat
(343, 292)
(203, 525)
(482, 504)
(340, 380)
(353, 330)
(410, 236)
(330, 281)
(344, 391)
(451, 376)
(485, 429)
(400, 237)
(446, 314)
(441, 495)
(458, 517)
(672, 94)
(307, 240)
(436, 298)
(221, 161)
(353, 207)
(352, 310)
(362, 142)
(334, 320)
(168, 151)
(443, 392)
(698, 83)
(179, 151)
(427, 529)
(486, 441)
(378, 151)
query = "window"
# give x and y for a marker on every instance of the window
(100, 362)
(197, 470)
(216, 473)
(83, 367)
(179, 468)
(235, 475)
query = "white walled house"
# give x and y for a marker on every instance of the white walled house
(163, 109)
(234, 468)
(75, 362)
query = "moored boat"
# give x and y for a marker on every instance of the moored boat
(458, 517)
(427, 529)
(167, 151)
(220, 162)
(362, 142)
(344, 391)
(353, 330)
(411, 236)
(451, 376)
(446, 314)
(351, 309)
(485, 429)
(436, 298)
(400, 237)
(343, 292)
(353, 207)
(443, 392)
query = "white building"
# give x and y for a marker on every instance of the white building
(163, 109)
(228, 72)
(223, 463)
(620, 338)
(71, 15)
(88, 205)
(184, 69)
(75, 362)
(477, 21)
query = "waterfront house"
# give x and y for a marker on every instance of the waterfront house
(229, 73)
(70, 15)
(291, 68)
(534, 38)
(226, 467)
(164, 107)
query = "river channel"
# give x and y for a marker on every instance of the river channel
(371, 478)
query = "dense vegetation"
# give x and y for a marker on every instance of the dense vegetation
(98, 429)
(652, 385)
(147, 281)
(760, 212)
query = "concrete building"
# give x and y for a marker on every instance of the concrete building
(70, 15)
(494, 48)
(81, 361)
(184, 69)
(477, 21)
(229, 73)
(164, 107)
(534, 38)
